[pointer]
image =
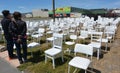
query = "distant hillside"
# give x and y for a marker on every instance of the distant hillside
(93, 11)
(98, 11)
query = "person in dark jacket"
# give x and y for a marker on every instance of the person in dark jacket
(5, 24)
(18, 30)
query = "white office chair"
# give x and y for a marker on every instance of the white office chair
(56, 50)
(80, 62)
(96, 44)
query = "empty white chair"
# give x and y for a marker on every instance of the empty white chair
(104, 40)
(38, 33)
(83, 34)
(56, 50)
(31, 45)
(96, 44)
(80, 62)
(69, 43)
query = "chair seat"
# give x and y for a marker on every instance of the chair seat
(52, 51)
(109, 37)
(37, 35)
(95, 45)
(49, 32)
(103, 40)
(82, 37)
(33, 44)
(80, 62)
(69, 43)
(50, 39)
(72, 31)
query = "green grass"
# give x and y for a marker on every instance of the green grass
(37, 64)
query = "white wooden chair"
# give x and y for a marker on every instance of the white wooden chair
(83, 34)
(69, 43)
(96, 44)
(32, 45)
(56, 50)
(80, 62)
(38, 34)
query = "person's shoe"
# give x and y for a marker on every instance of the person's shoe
(14, 56)
(21, 62)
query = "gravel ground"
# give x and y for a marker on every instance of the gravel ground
(110, 62)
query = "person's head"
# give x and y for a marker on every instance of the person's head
(17, 15)
(6, 13)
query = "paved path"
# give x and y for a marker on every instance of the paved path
(6, 67)
(110, 63)
(13, 62)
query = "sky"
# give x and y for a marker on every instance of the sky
(29, 5)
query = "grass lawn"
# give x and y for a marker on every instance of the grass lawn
(37, 64)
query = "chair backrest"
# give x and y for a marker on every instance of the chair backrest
(85, 49)
(84, 33)
(95, 36)
(73, 37)
(57, 41)
(41, 30)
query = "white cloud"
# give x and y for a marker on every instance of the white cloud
(21, 7)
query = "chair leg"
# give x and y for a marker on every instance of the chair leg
(53, 63)
(75, 70)
(62, 57)
(85, 71)
(45, 59)
(106, 46)
(68, 68)
(31, 52)
(98, 54)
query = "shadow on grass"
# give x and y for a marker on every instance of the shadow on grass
(36, 57)
(58, 61)
(104, 48)
(90, 70)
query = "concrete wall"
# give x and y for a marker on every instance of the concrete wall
(39, 13)
(75, 14)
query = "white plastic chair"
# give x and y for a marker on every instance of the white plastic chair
(96, 44)
(56, 50)
(80, 62)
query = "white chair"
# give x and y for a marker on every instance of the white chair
(38, 33)
(56, 50)
(96, 44)
(69, 43)
(80, 62)
(83, 34)
(104, 40)
(31, 45)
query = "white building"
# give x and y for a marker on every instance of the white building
(28, 15)
(40, 13)
(75, 14)
(116, 11)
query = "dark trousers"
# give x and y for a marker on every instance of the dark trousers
(19, 46)
(9, 46)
